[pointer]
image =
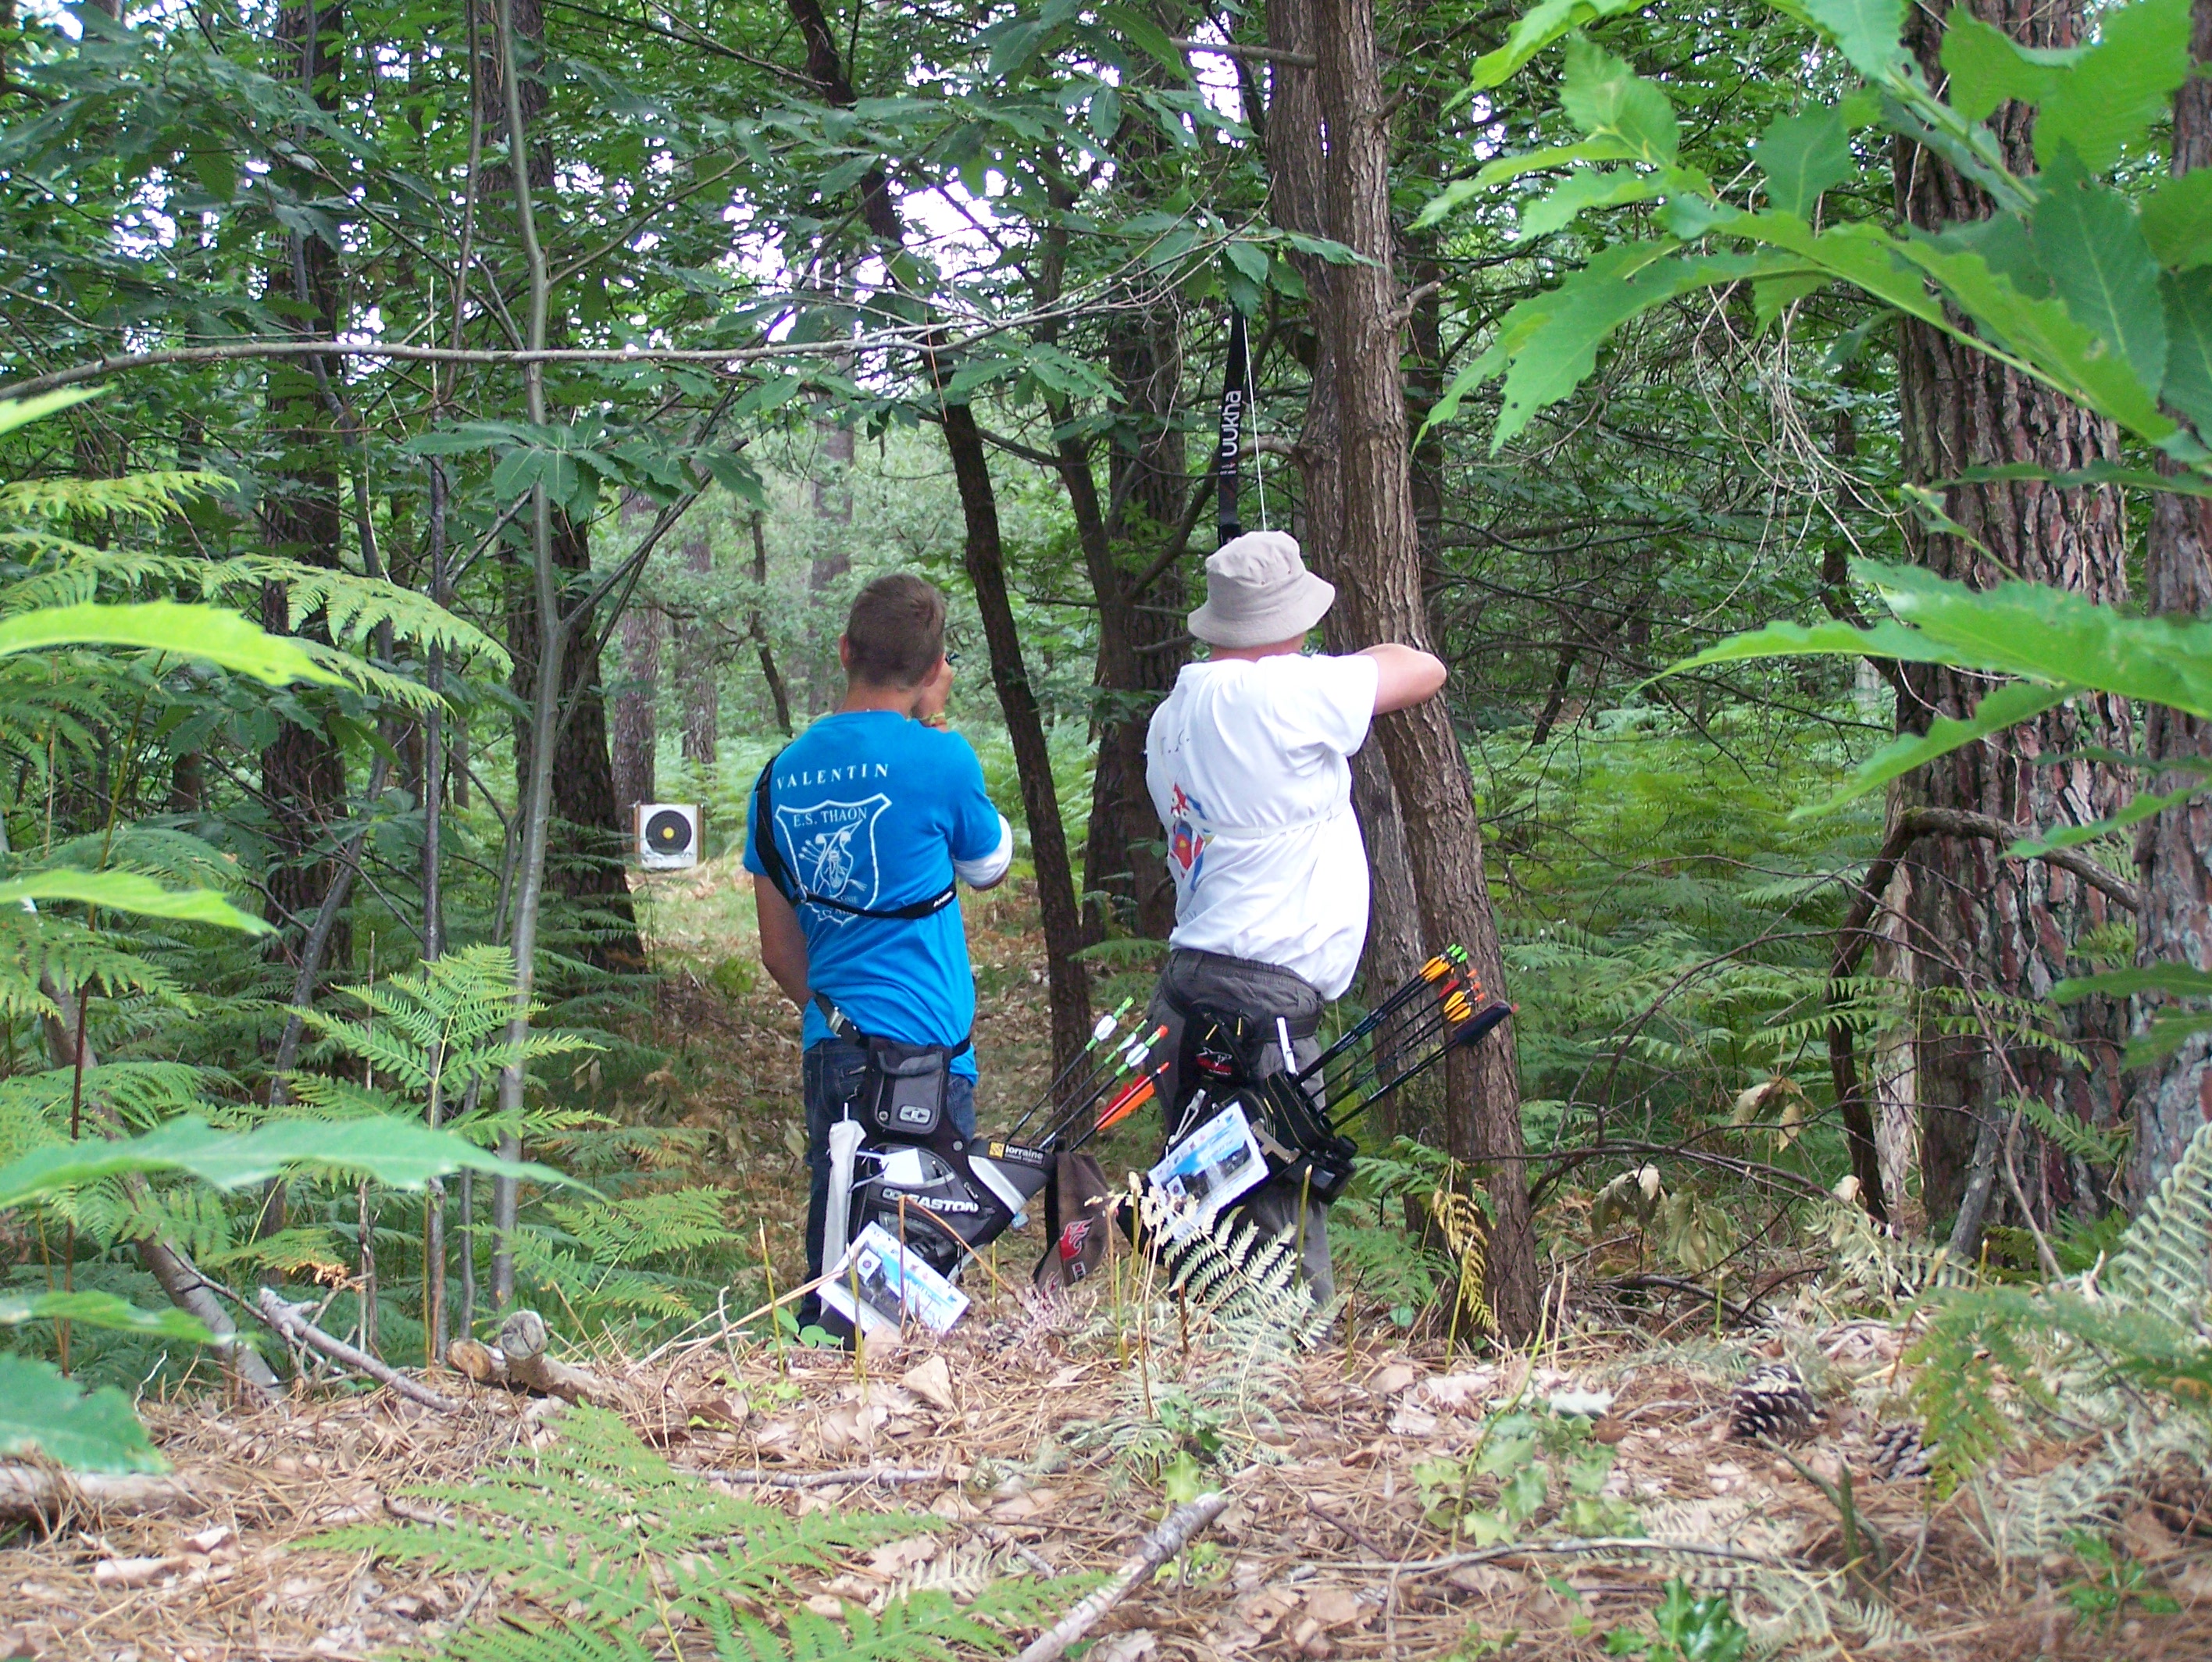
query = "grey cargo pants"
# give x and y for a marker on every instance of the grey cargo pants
(1262, 992)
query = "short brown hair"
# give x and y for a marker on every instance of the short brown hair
(895, 631)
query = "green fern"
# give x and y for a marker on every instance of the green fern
(622, 1554)
(1992, 1358)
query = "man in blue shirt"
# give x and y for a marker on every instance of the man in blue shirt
(875, 810)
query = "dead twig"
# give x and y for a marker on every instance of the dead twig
(1571, 1548)
(862, 1477)
(291, 1321)
(30, 1491)
(1161, 1544)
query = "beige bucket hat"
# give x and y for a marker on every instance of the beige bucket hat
(1259, 591)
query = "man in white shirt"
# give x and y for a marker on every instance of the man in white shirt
(1249, 762)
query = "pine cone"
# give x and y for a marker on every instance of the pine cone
(1772, 1402)
(1898, 1453)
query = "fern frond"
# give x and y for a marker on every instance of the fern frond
(354, 607)
(143, 496)
(2164, 1266)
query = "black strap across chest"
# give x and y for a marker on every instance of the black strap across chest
(778, 871)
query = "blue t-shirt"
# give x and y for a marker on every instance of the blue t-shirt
(872, 807)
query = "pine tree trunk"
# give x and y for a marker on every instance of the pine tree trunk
(2173, 1096)
(1394, 949)
(1143, 641)
(302, 769)
(1365, 319)
(1984, 927)
(589, 837)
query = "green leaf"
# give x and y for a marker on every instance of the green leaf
(129, 891)
(2005, 707)
(2188, 299)
(1506, 168)
(2177, 219)
(1772, 296)
(2092, 244)
(206, 633)
(1606, 99)
(1105, 114)
(1987, 66)
(2108, 100)
(2046, 633)
(1802, 156)
(1865, 31)
(2044, 335)
(1537, 29)
(22, 412)
(1550, 342)
(90, 1309)
(398, 1152)
(2144, 807)
(1592, 188)
(2181, 981)
(1146, 36)
(40, 1411)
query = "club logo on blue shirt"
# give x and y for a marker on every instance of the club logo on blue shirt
(833, 850)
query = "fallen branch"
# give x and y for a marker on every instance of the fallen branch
(1161, 1544)
(859, 1477)
(1571, 1548)
(30, 1491)
(519, 1363)
(291, 1321)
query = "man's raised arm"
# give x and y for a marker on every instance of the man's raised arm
(1406, 676)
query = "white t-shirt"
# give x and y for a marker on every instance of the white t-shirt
(1249, 771)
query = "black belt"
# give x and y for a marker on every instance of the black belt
(841, 1026)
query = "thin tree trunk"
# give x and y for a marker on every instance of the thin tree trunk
(778, 695)
(1982, 925)
(302, 769)
(637, 704)
(1382, 600)
(435, 1323)
(2173, 1096)
(535, 804)
(984, 555)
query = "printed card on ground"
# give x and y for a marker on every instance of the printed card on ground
(891, 1281)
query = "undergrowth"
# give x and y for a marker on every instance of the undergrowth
(617, 1557)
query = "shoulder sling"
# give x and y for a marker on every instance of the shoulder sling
(777, 871)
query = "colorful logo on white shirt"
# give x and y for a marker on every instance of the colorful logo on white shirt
(833, 850)
(1186, 842)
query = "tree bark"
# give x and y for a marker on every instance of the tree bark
(1364, 318)
(2174, 851)
(777, 694)
(698, 663)
(302, 769)
(636, 735)
(1981, 925)
(983, 553)
(589, 835)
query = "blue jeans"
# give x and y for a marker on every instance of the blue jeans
(833, 1071)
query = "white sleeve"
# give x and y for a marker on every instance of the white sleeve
(1329, 701)
(982, 873)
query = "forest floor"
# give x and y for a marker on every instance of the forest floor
(1037, 1439)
